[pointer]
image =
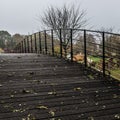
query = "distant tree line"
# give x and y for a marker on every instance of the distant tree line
(8, 42)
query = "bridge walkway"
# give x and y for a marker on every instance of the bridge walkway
(41, 87)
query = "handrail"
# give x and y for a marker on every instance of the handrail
(59, 42)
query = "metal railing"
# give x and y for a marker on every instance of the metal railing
(96, 49)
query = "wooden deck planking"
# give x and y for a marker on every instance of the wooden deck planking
(44, 87)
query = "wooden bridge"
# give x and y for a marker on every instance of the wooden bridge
(42, 87)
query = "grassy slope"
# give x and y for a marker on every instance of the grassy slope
(115, 73)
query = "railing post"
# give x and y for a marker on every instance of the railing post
(103, 65)
(60, 43)
(25, 50)
(40, 46)
(35, 42)
(45, 41)
(28, 44)
(31, 43)
(85, 49)
(71, 38)
(21, 46)
(52, 42)
(18, 48)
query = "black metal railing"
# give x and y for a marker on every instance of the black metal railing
(96, 49)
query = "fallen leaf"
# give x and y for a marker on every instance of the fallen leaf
(10, 75)
(83, 101)
(117, 116)
(97, 91)
(2, 61)
(52, 113)
(62, 103)
(25, 91)
(90, 118)
(6, 106)
(2, 101)
(42, 107)
(90, 76)
(23, 118)
(20, 104)
(52, 93)
(15, 92)
(31, 73)
(96, 103)
(30, 117)
(103, 107)
(11, 96)
(19, 110)
(115, 96)
(77, 89)
(16, 110)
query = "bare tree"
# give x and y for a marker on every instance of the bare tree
(64, 18)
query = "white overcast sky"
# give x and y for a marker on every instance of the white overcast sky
(19, 16)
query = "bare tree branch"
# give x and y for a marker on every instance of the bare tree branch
(64, 18)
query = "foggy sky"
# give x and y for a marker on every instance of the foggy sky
(19, 16)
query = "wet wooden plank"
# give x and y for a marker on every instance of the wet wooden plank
(44, 87)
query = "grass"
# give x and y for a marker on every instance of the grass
(95, 59)
(116, 73)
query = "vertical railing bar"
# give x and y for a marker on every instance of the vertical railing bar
(22, 46)
(31, 44)
(60, 43)
(28, 44)
(85, 49)
(45, 41)
(103, 40)
(52, 42)
(16, 49)
(40, 46)
(19, 47)
(71, 37)
(25, 45)
(35, 42)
